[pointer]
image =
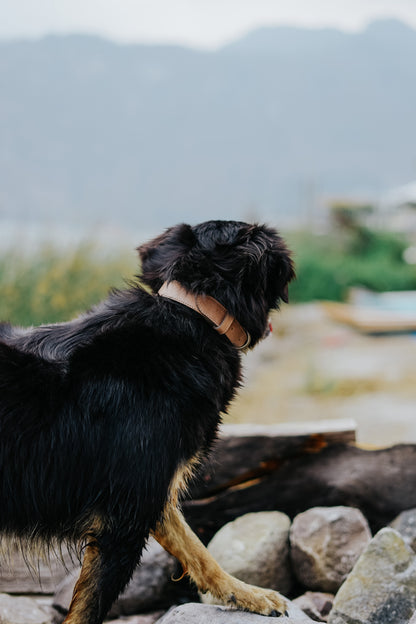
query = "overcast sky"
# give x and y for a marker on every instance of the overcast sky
(202, 23)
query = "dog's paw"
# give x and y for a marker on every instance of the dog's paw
(263, 602)
(239, 595)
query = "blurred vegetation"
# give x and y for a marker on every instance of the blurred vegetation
(53, 286)
(351, 255)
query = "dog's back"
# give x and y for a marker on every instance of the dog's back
(97, 414)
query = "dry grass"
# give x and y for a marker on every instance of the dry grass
(55, 286)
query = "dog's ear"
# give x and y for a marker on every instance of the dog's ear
(272, 265)
(259, 259)
(281, 272)
(284, 293)
(160, 255)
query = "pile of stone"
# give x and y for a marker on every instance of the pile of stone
(325, 561)
(350, 577)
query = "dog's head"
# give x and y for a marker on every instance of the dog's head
(245, 267)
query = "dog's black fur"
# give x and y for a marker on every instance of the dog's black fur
(97, 414)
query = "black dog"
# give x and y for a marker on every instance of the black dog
(103, 419)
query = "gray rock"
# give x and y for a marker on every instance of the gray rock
(18, 610)
(147, 590)
(149, 618)
(255, 549)
(381, 588)
(149, 586)
(193, 613)
(325, 544)
(405, 524)
(316, 605)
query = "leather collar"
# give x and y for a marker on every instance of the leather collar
(211, 309)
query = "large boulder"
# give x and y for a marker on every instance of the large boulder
(193, 613)
(381, 589)
(405, 524)
(255, 549)
(148, 618)
(325, 544)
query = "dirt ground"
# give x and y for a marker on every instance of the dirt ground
(313, 368)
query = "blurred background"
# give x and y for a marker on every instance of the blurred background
(120, 119)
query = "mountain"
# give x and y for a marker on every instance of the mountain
(93, 131)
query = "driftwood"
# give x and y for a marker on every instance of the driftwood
(32, 573)
(270, 468)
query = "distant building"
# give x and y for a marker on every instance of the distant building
(397, 209)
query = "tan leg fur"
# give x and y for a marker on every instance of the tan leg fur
(82, 606)
(176, 537)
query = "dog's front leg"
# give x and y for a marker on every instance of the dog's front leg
(176, 537)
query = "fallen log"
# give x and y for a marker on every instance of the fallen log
(245, 452)
(293, 471)
(32, 573)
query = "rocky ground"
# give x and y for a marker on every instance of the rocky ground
(313, 368)
(326, 561)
